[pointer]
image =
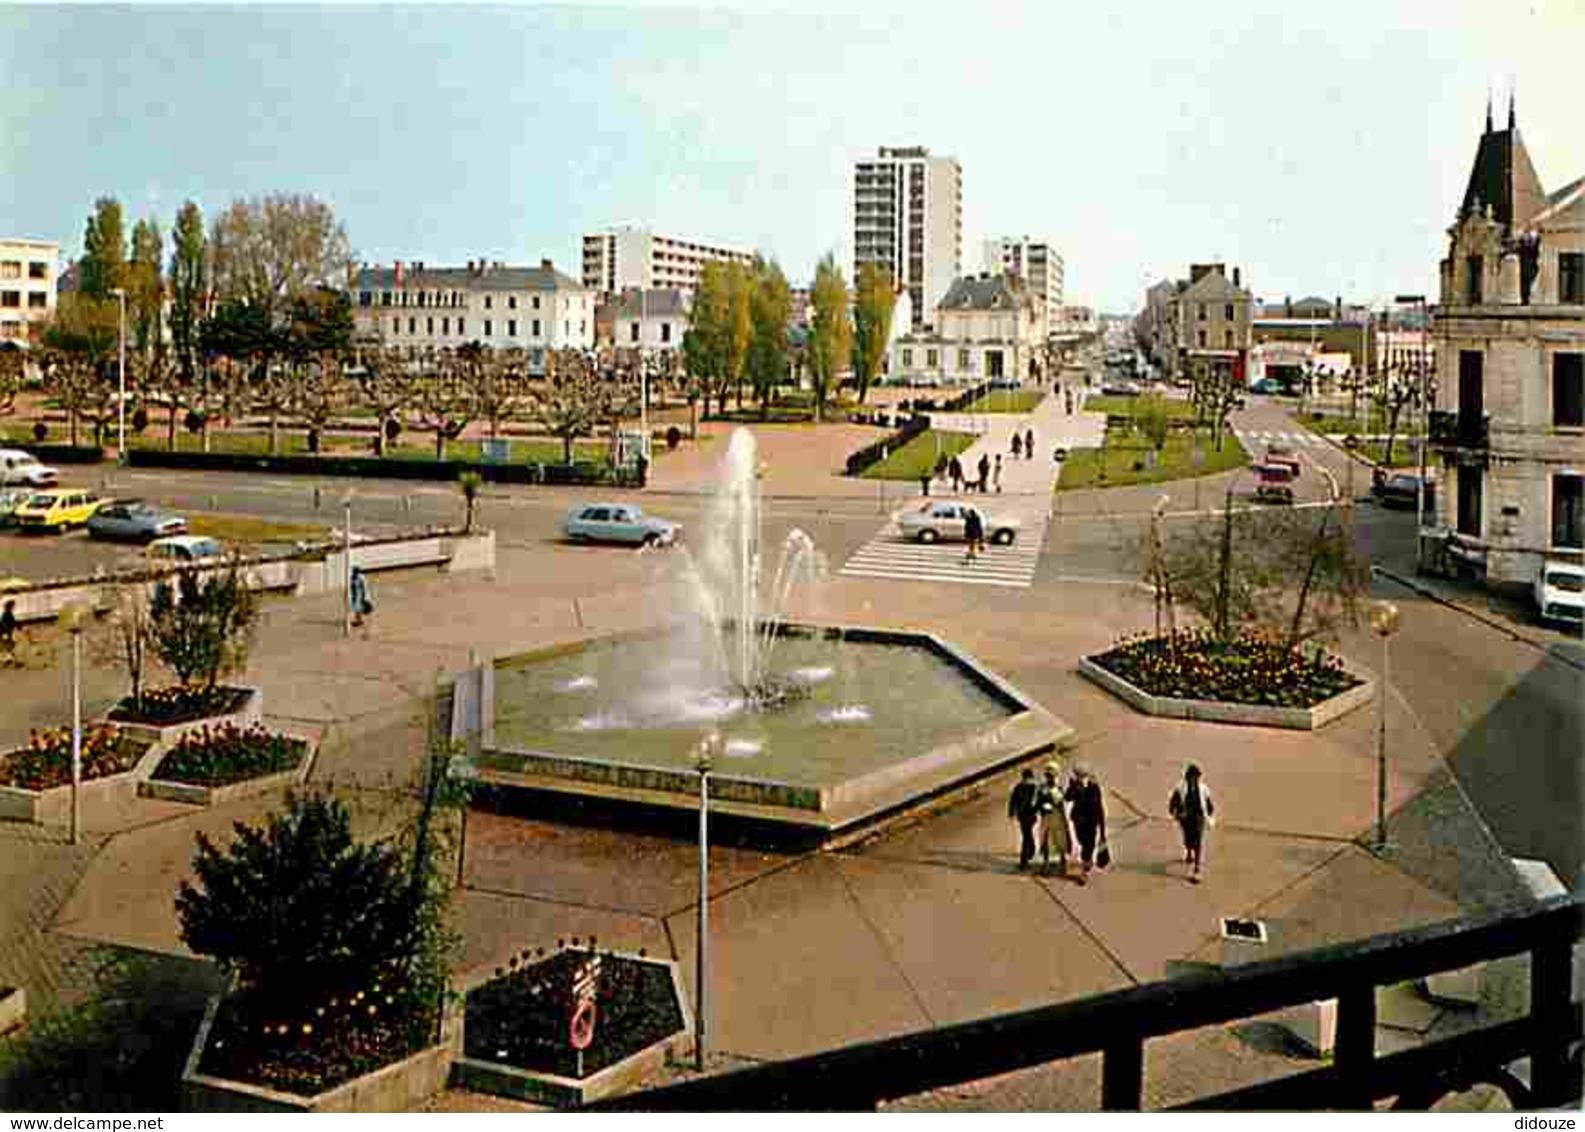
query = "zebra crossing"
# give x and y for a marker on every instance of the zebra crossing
(889, 555)
(1260, 438)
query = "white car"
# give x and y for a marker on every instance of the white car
(184, 550)
(1560, 593)
(942, 520)
(24, 468)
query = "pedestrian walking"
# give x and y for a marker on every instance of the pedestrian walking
(1053, 832)
(973, 533)
(1191, 805)
(941, 466)
(1068, 400)
(360, 596)
(924, 482)
(996, 473)
(8, 634)
(1022, 807)
(985, 472)
(1089, 818)
(1018, 445)
(955, 470)
(1029, 444)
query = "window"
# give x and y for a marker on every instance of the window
(511, 302)
(365, 298)
(536, 328)
(511, 328)
(37, 300)
(1202, 312)
(932, 359)
(1568, 511)
(431, 325)
(42, 270)
(1227, 339)
(423, 296)
(1571, 277)
(1469, 484)
(665, 331)
(1227, 312)
(489, 328)
(445, 326)
(10, 298)
(536, 302)
(487, 302)
(396, 326)
(460, 330)
(1202, 339)
(412, 326)
(1471, 393)
(908, 357)
(963, 360)
(11, 269)
(1472, 271)
(632, 332)
(385, 298)
(1568, 390)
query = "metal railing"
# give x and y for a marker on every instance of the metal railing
(1120, 1023)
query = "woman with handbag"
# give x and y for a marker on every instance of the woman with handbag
(1089, 819)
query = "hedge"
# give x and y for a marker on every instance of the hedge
(65, 453)
(862, 460)
(586, 473)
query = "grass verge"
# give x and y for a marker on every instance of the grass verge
(1004, 401)
(918, 456)
(1125, 461)
(233, 529)
(1177, 410)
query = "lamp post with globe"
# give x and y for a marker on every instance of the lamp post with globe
(1384, 620)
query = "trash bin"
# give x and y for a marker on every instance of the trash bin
(1243, 941)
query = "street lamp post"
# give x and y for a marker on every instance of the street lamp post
(1423, 365)
(346, 564)
(121, 377)
(1384, 623)
(72, 617)
(709, 747)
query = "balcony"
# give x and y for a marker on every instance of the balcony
(1450, 430)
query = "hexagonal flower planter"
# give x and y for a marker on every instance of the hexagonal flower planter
(246, 707)
(174, 789)
(52, 806)
(401, 1086)
(516, 1028)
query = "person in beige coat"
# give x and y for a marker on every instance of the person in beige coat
(1053, 833)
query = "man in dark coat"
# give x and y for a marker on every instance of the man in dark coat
(1023, 807)
(985, 471)
(1029, 444)
(955, 470)
(1089, 816)
(973, 533)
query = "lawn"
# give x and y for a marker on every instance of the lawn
(410, 446)
(1373, 423)
(1177, 409)
(1005, 401)
(235, 529)
(918, 456)
(1125, 449)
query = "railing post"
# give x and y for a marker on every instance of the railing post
(1551, 966)
(1356, 1044)
(1123, 1075)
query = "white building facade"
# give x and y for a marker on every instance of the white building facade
(28, 273)
(419, 308)
(626, 257)
(1036, 262)
(908, 218)
(651, 321)
(986, 329)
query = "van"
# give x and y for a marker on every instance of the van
(17, 467)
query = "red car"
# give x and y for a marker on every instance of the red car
(1283, 455)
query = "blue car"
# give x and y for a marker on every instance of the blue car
(133, 520)
(1267, 386)
(618, 522)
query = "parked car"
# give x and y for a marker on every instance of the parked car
(184, 550)
(1283, 456)
(1267, 386)
(619, 522)
(1560, 593)
(58, 509)
(943, 520)
(10, 500)
(133, 520)
(1120, 389)
(1401, 489)
(23, 468)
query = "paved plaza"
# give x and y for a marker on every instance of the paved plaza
(927, 922)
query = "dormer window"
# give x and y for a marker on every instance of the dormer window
(1472, 286)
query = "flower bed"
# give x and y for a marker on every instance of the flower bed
(216, 764)
(515, 1027)
(1253, 679)
(46, 762)
(1252, 668)
(165, 706)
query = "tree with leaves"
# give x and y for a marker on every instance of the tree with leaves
(574, 399)
(103, 265)
(80, 348)
(704, 347)
(189, 282)
(770, 310)
(202, 627)
(739, 333)
(145, 286)
(874, 300)
(268, 250)
(831, 334)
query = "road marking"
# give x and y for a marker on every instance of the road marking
(889, 555)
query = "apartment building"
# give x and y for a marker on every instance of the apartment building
(627, 257)
(1210, 314)
(1036, 262)
(652, 321)
(419, 307)
(1509, 333)
(28, 270)
(908, 218)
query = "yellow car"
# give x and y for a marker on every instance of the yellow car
(56, 510)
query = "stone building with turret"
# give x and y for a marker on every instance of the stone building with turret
(1509, 328)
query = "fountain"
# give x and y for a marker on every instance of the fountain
(824, 727)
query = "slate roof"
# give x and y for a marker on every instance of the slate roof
(1503, 178)
(993, 293)
(657, 302)
(466, 279)
(1213, 285)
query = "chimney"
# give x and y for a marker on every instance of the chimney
(400, 272)
(1287, 306)
(1235, 277)
(1338, 309)
(547, 265)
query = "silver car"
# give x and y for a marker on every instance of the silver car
(942, 520)
(133, 520)
(618, 522)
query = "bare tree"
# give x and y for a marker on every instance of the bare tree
(11, 365)
(319, 392)
(499, 380)
(387, 380)
(1396, 391)
(1215, 396)
(574, 400)
(443, 398)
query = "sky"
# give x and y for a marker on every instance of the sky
(1323, 148)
